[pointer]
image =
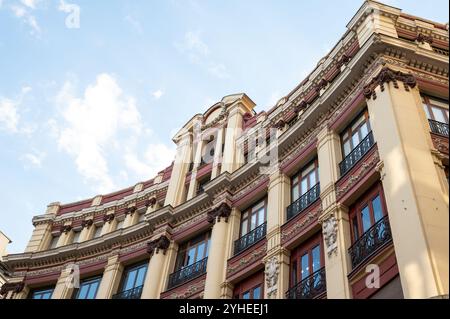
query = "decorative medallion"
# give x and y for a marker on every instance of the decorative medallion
(271, 272)
(329, 230)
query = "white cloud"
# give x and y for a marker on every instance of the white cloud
(219, 71)
(90, 125)
(23, 12)
(157, 94)
(33, 159)
(9, 117)
(134, 23)
(29, 3)
(157, 157)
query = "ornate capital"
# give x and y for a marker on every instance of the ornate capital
(223, 210)
(387, 75)
(344, 60)
(66, 228)
(423, 38)
(130, 210)
(108, 218)
(12, 286)
(321, 85)
(280, 124)
(155, 245)
(87, 223)
(301, 106)
(150, 202)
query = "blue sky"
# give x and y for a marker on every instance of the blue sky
(89, 110)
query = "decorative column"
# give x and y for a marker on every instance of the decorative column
(131, 217)
(111, 278)
(217, 153)
(66, 282)
(153, 280)
(277, 257)
(334, 217)
(234, 127)
(108, 224)
(66, 235)
(217, 259)
(88, 231)
(176, 189)
(417, 206)
(197, 160)
(41, 237)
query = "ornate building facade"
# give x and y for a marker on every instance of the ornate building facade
(338, 191)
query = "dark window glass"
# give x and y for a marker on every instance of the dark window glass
(134, 276)
(42, 293)
(307, 178)
(253, 217)
(355, 133)
(88, 288)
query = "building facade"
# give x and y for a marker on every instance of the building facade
(338, 191)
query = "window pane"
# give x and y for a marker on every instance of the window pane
(312, 179)
(316, 258)
(130, 279)
(425, 107)
(200, 252)
(364, 130)
(305, 266)
(76, 237)
(98, 231)
(355, 228)
(253, 222)
(377, 210)
(261, 217)
(257, 293)
(304, 186)
(355, 139)
(246, 295)
(140, 276)
(82, 293)
(438, 114)
(295, 194)
(190, 256)
(365, 218)
(244, 227)
(358, 122)
(54, 242)
(308, 169)
(347, 148)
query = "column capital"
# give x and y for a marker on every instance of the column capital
(385, 76)
(222, 211)
(15, 287)
(154, 246)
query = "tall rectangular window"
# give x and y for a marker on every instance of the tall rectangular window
(250, 288)
(355, 133)
(253, 217)
(88, 288)
(306, 179)
(436, 109)
(193, 251)
(134, 276)
(42, 293)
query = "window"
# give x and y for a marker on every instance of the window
(53, 242)
(436, 109)
(134, 276)
(88, 288)
(201, 184)
(76, 237)
(250, 288)
(98, 231)
(253, 217)
(193, 251)
(367, 211)
(307, 178)
(355, 133)
(306, 260)
(43, 293)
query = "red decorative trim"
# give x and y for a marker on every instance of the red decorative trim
(440, 143)
(204, 170)
(248, 197)
(41, 279)
(94, 267)
(292, 164)
(192, 229)
(300, 225)
(73, 207)
(190, 289)
(388, 270)
(246, 261)
(344, 116)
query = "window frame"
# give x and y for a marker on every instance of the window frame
(248, 285)
(366, 200)
(41, 290)
(350, 131)
(89, 280)
(299, 176)
(428, 104)
(195, 242)
(296, 258)
(248, 211)
(127, 270)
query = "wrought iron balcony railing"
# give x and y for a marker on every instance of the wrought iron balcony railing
(310, 287)
(375, 237)
(133, 293)
(250, 238)
(439, 127)
(303, 201)
(356, 154)
(187, 273)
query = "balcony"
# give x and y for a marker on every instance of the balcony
(439, 128)
(356, 154)
(374, 238)
(310, 287)
(250, 239)
(187, 273)
(134, 293)
(303, 202)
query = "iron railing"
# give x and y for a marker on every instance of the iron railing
(375, 237)
(187, 273)
(133, 293)
(310, 287)
(356, 154)
(250, 238)
(303, 201)
(439, 127)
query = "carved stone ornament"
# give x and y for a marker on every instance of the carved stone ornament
(130, 210)
(329, 230)
(222, 211)
(108, 218)
(301, 106)
(12, 286)
(155, 245)
(66, 228)
(321, 85)
(387, 75)
(271, 272)
(344, 60)
(150, 202)
(422, 38)
(280, 124)
(87, 223)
